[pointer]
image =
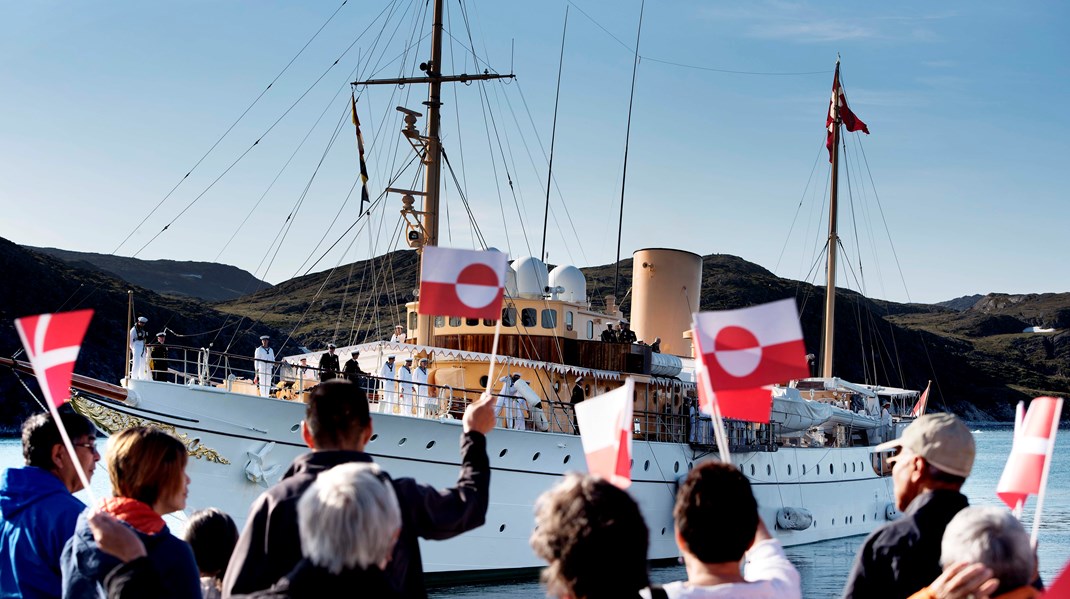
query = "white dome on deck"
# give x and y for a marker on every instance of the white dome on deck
(531, 277)
(571, 281)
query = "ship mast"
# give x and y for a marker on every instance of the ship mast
(429, 147)
(833, 238)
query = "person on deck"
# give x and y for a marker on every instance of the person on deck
(264, 363)
(351, 370)
(139, 369)
(578, 395)
(886, 422)
(510, 406)
(609, 335)
(399, 334)
(336, 428)
(158, 361)
(935, 455)
(388, 399)
(405, 388)
(37, 509)
(329, 364)
(427, 404)
(717, 526)
(656, 345)
(625, 334)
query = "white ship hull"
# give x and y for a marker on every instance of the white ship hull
(230, 438)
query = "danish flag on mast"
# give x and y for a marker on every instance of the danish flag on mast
(52, 342)
(742, 351)
(605, 424)
(1034, 441)
(466, 283)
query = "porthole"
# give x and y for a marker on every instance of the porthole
(834, 522)
(502, 453)
(789, 469)
(567, 458)
(483, 381)
(535, 457)
(646, 465)
(804, 469)
(819, 468)
(752, 469)
(854, 467)
(769, 470)
(373, 437)
(631, 464)
(663, 531)
(295, 428)
(845, 467)
(430, 444)
(690, 465)
(832, 470)
(863, 517)
(501, 528)
(402, 441)
(676, 466)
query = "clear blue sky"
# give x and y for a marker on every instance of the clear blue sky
(106, 105)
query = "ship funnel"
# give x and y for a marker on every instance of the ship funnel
(665, 292)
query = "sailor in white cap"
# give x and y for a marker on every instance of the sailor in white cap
(405, 388)
(138, 337)
(388, 399)
(426, 406)
(399, 334)
(264, 362)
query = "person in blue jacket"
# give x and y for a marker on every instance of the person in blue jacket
(147, 467)
(37, 510)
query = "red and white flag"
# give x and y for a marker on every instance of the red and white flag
(1060, 587)
(52, 342)
(1033, 443)
(605, 424)
(466, 283)
(923, 402)
(848, 118)
(745, 350)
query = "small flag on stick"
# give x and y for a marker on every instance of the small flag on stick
(1026, 472)
(923, 402)
(747, 349)
(605, 424)
(52, 342)
(364, 201)
(466, 283)
(848, 118)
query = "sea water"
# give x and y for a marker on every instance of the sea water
(823, 566)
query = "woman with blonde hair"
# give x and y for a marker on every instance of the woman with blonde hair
(147, 467)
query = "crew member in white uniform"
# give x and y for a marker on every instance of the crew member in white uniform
(405, 388)
(399, 334)
(886, 422)
(388, 398)
(263, 361)
(509, 405)
(427, 405)
(138, 336)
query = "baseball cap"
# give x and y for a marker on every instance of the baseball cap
(263, 337)
(942, 439)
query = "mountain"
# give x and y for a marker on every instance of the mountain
(960, 303)
(36, 282)
(201, 280)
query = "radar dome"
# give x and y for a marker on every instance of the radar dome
(531, 277)
(571, 281)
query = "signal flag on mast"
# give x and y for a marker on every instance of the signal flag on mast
(364, 201)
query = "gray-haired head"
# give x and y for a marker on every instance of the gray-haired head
(349, 518)
(994, 537)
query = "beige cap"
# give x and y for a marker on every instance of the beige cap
(942, 439)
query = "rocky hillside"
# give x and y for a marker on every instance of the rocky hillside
(200, 280)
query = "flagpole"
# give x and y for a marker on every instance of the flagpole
(1044, 471)
(493, 355)
(129, 316)
(70, 449)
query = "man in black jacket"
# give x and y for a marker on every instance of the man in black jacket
(935, 455)
(337, 426)
(329, 364)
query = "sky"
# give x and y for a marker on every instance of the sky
(107, 105)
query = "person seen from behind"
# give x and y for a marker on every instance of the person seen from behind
(593, 539)
(147, 467)
(212, 535)
(37, 509)
(717, 527)
(985, 553)
(932, 460)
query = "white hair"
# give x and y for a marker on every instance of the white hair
(994, 537)
(349, 518)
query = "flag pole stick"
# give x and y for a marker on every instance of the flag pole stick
(493, 355)
(129, 316)
(718, 422)
(1044, 472)
(70, 451)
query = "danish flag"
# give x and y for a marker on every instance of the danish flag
(742, 351)
(52, 342)
(838, 103)
(1034, 441)
(605, 424)
(464, 283)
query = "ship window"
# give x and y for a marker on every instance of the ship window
(819, 468)
(789, 469)
(752, 469)
(472, 322)
(455, 321)
(568, 320)
(804, 469)
(430, 444)
(501, 528)
(535, 457)
(509, 317)
(489, 323)
(503, 452)
(440, 321)
(549, 319)
(590, 329)
(676, 466)
(853, 467)
(567, 458)
(483, 381)
(769, 470)
(646, 465)
(414, 319)
(527, 317)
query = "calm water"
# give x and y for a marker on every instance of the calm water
(824, 566)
